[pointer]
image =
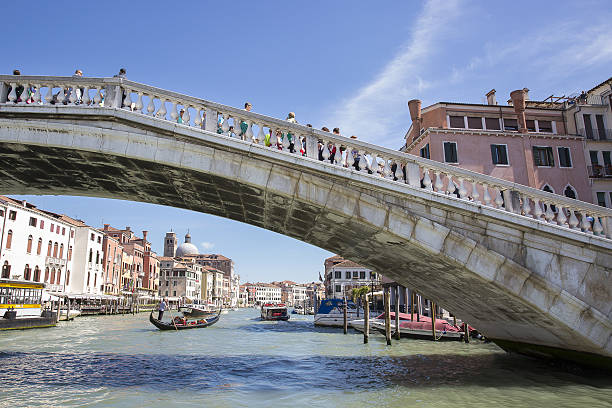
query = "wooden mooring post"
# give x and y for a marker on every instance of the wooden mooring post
(397, 312)
(366, 320)
(387, 305)
(466, 333)
(345, 317)
(68, 309)
(433, 320)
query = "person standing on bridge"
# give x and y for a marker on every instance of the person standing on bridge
(243, 125)
(290, 136)
(162, 308)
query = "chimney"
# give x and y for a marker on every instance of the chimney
(526, 91)
(414, 106)
(128, 229)
(106, 226)
(518, 101)
(491, 97)
(144, 235)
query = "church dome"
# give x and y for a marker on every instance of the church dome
(187, 248)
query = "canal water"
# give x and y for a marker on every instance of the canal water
(123, 361)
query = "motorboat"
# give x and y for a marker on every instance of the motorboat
(418, 329)
(297, 309)
(274, 311)
(181, 323)
(21, 305)
(194, 310)
(331, 312)
(69, 315)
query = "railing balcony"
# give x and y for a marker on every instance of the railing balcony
(599, 171)
(107, 95)
(50, 260)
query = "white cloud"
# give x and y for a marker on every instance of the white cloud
(377, 109)
(207, 245)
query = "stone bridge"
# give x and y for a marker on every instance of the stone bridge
(529, 269)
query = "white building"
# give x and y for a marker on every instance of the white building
(35, 245)
(180, 278)
(299, 294)
(344, 276)
(267, 293)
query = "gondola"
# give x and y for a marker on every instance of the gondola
(197, 324)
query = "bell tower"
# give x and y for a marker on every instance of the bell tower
(170, 244)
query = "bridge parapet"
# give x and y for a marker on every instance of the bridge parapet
(417, 172)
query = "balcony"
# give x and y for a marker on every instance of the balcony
(52, 261)
(596, 134)
(599, 171)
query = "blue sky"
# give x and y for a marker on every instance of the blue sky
(348, 64)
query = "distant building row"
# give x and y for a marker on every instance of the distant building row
(288, 292)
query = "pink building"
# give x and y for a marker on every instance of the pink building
(525, 142)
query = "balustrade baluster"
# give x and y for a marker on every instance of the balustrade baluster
(526, 207)
(261, 135)
(475, 193)
(537, 209)
(499, 201)
(248, 135)
(72, 98)
(151, 105)
(97, 100)
(85, 97)
(486, 196)
(450, 185)
(338, 155)
(24, 95)
(161, 112)
(439, 184)
(597, 228)
(427, 179)
(573, 220)
(197, 120)
(127, 101)
(174, 112)
(585, 224)
(548, 214)
(12, 96)
(139, 105)
(225, 124)
(399, 174)
(462, 189)
(387, 173)
(36, 94)
(325, 152)
(363, 161)
(375, 167)
(561, 217)
(349, 157)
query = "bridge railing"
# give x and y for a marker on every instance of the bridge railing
(336, 150)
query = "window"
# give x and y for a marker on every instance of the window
(88, 277)
(601, 198)
(530, 125)
(55, 250)
(348, 275)
(61, 253)
(58, 279)
(36, 274)
(425, 151)
(510, 124)
(70, 253)
(543, 156)
(338, 275)
(594, 158)
(338, 288)
(39, 247)
(499, 154)
(1, 213)
(474, 123)
(601, 131)
(51, 228)
(588, 126)
(492, 123)
(545, 126)
(67, 278)
(456, 122)
(90, 255)
(570, 192)
(49, 248)
(450, 152)
(362, 275)
(12, 215)
(565, 159)
(29, 246)
(63, 230)
(6, 270)
(372, 275)
(93, 237)
(97, 257)
(32, 222)
(53, 276)
(9, 239)
(99, 239)
(42, 224)
(71, 233)
(606, 158)
(27, 272)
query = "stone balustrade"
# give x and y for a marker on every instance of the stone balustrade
(351, 154)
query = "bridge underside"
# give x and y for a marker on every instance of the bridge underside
(446, 254)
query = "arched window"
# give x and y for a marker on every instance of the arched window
(27, 272)
(6, 270)
(90, 254)
(53, 276)
(58, 279)
(29, 247)
(39, 247)
(46, 274)
(61, 251)
(88, 277)
(55, 250)
(97, 257)
(36, 274)
(95, 280)
(9, 239)
(570, 192)
(67, 278)
(49, 248)
(70, 253)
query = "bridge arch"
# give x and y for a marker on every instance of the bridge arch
(526, 283)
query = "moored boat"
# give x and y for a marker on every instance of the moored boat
(194, 311)
(179, 323)
(274, 311)
(21, 306)
(418, 329)
(331, 312)
(64, 315)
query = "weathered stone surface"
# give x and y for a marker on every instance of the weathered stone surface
(512, 277)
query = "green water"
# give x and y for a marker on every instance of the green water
(123, 361)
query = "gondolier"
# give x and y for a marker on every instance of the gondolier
(162, 308)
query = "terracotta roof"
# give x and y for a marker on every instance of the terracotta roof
(348, 264)
(334, 258)
(165, 258)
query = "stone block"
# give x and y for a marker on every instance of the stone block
(458, 247)
(226, 164)
(255, 172)
(430, 235)
(511, 276)
(342, 200)
(538, 292)
(484, 262)
(592, 326)
(538, 261)
(567, 309)
(400, 223)
(371, 210)
(141, 147)
(504, 232)
(312, 190)
(169, 151)
(281, 182)
(577, 251)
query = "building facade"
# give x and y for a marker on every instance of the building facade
(343, 275)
